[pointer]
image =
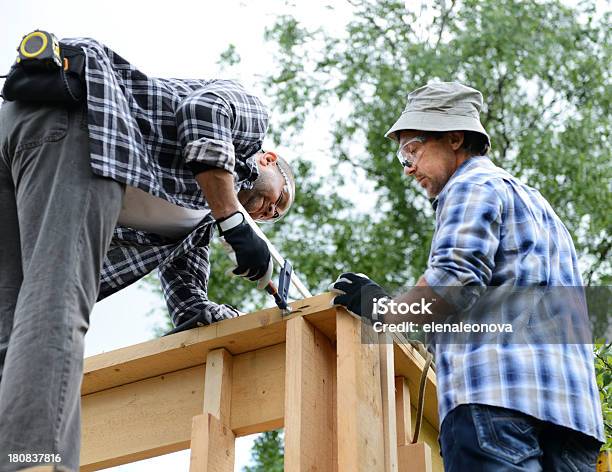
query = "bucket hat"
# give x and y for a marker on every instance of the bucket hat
(441, 106)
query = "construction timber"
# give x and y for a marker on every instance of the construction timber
(345, 404)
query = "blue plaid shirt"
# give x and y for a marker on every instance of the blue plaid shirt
(493, 230)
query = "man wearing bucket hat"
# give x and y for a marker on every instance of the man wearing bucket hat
(502, 407)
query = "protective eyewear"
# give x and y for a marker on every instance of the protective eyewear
(407, 153)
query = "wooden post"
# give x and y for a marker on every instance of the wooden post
(360, 411)
(415, 458)
(310, 432)
(387, 383)
(212, 440)
(402, 411)
(410, 457)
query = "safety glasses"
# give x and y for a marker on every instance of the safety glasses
(407, 153)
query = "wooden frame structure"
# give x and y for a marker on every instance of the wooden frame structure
(345, 404)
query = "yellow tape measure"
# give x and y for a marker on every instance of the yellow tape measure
(39, 48)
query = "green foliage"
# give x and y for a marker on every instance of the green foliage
(268, 453)
(230, 56)
(603, 370)
(545, 79)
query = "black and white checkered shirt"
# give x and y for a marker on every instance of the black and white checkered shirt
(156, 134)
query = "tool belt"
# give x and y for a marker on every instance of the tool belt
(52, 73)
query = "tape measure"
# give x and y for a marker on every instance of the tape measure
(39, 49)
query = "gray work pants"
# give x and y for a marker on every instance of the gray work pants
(56, 222)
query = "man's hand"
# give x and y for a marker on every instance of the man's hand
(357, 292)
(252, 254)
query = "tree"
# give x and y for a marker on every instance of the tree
(268, 453)
(603, 370)
(543, 70)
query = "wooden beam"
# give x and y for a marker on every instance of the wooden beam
(360, 422)
(402, 411)
(189, 348)
(212, 445)
(140, 420)
(387, 383)
(218, 385)
(409, 363)
(310, 431)
(258, 391)
(212, 441)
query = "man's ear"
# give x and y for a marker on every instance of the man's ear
(455, 138)
(267, 157)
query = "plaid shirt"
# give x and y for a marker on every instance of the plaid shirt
(155, 134)
(492, 230)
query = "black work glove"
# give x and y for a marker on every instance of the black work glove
(357, 292)
(252, 254)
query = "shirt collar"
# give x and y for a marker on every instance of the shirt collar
(474, 161)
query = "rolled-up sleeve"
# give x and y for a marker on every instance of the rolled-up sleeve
(466, 240)
(220, 126)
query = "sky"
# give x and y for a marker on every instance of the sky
(165, 39)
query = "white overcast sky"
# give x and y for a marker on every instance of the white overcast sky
(171, 39)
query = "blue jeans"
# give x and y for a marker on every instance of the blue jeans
(482, 438)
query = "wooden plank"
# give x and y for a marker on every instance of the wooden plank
(409, 363)
(214, 451)
(190, 348)
(387, 383)
(309, 399)
(415, 458)
(429, 436)
(402, 411)
(212, 441)
(154, 416)
(359, 410)
(218, 385)
(258, 391)
(140, 420)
